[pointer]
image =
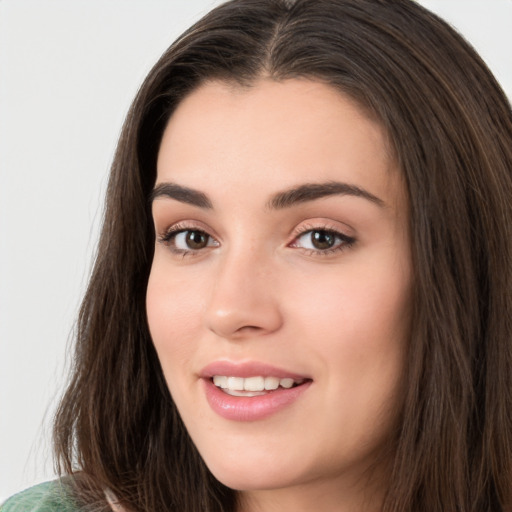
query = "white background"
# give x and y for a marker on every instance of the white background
(68, 71)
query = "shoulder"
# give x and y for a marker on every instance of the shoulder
(47, 497)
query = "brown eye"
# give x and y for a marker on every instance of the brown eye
(196, 239)
(182, 241)
(322, 240)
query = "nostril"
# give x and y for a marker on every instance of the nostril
(248, 328)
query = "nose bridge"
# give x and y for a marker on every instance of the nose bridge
(244, 296)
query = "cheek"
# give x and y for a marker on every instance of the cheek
(357, 327)
(367, 305)
(173, 308)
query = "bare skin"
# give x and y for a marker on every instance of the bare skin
(317, 285)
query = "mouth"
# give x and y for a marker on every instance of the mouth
(251, 390)
(253, 386)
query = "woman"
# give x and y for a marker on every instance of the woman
(303, 288)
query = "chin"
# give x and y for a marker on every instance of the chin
(244, 471)
(251, 479)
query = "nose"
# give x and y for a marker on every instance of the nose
(245, 298)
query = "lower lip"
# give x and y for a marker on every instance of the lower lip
(244, 408)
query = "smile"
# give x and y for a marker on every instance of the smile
(253, 386)
(250, 390)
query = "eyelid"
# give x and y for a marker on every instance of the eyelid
(167, 236)
(322, 225)
(184, 225)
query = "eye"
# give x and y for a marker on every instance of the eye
(191, 239)
(184, 241)
(323, 240)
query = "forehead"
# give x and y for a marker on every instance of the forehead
(283, 133)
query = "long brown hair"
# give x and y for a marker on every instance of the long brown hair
(450, 126)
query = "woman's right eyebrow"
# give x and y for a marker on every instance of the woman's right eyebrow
(182, 194)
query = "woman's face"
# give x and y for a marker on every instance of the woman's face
(278, 300)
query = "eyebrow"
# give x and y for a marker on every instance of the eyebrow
(312, 191)
(279, 201)
(182, 194)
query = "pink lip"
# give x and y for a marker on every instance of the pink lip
(247, 369)
(243, 408)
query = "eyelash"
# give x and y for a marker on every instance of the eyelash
(170, 234)
(344, 241)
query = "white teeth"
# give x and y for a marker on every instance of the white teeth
(286, 383)
(233, 392)
(252, 386)
(271, 383)
(220, 381)
(236, 383)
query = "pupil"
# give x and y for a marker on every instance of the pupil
(323, 239)
(197, 239)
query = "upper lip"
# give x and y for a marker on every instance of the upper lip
(247, 369)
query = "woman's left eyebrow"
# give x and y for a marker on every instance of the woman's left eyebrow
(312, 191)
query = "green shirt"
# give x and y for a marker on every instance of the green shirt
(47, 497)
